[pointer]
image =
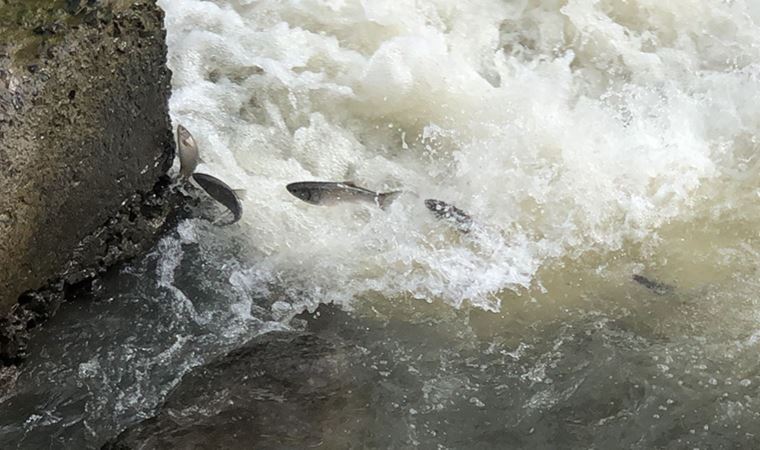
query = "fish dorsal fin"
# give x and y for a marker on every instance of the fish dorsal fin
(350, 183)
(239, 192)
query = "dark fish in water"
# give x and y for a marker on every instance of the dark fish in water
(331, 193)
(654, 286)
(188, 152)
(220, 192)
(446, 211)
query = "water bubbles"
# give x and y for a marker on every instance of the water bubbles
(582, 159)
(89, 369)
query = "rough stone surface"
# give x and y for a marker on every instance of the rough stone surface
(138, 224)
(8, 377)
(281, 390)
(85, 137)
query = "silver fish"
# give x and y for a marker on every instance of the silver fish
(654, 286)
(330, 193)
(446, 211)
(188, 152)
(220, 192)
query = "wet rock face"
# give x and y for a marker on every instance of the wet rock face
(281, 390)
(137, 225)
(85, 136)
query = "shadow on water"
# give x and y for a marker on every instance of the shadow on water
(410, 376)
(585, 380)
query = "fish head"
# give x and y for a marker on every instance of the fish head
(304, 192)
(184, 137)
(188, 152)
(437, 206)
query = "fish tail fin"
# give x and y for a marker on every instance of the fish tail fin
(384, 200)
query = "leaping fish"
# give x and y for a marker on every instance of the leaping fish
(220, 192)
(461, 220)
(331, 193)
(188, 152)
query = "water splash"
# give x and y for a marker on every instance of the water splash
(572, 127)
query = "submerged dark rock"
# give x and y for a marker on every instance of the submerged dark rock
(280, 390)
(85, 138)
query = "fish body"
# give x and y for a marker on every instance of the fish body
(449, 212)
(331, 193)
(220, 192)
(654, 286)
(188, 152)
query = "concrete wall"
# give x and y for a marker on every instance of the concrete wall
(84, 134)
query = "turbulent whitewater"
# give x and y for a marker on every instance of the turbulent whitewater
(571, 128)
(589, 141)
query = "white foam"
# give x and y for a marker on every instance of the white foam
(569, 129)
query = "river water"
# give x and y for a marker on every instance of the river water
(591, 140)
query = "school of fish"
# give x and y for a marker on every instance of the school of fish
(329, 193)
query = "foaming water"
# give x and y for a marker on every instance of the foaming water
(569, 128)
(108, 359)
(590, 140)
